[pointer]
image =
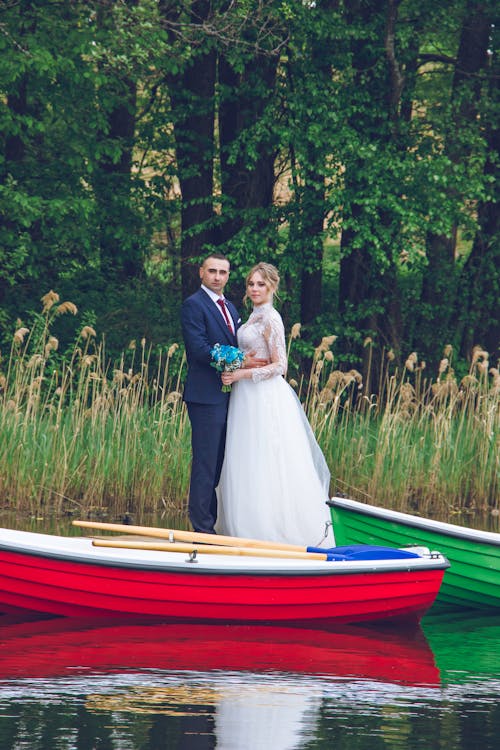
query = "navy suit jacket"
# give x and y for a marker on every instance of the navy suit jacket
(202, 327)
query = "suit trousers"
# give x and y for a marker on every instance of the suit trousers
(208, 438)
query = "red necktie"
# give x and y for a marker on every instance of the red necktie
(223, 307)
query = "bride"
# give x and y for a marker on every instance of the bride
(275, 481)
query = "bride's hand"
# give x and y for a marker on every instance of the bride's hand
(228, 378)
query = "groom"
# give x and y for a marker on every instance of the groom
(208, 318)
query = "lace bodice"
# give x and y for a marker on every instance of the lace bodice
(264, 334)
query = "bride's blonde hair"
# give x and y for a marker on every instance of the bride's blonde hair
(269, 273)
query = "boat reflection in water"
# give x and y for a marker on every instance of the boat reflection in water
(59, 647)
(237, 686)
(466, 645)
(230, 687)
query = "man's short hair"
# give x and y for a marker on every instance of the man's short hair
(216, 256)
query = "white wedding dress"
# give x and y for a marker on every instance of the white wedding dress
(275, 481)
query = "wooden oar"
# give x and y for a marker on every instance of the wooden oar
(209, 549)
(175, 535)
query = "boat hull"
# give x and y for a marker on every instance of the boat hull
(473, 579)
(70, 577)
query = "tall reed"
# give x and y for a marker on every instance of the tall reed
(78, 435)
(430, 446)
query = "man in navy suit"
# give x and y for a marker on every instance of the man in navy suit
(208, 318)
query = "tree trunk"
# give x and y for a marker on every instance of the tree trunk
(439, 289)
(311, 289)
(246, 184)
(17, 103)
(478, 305)
(120, 248)
(121, 256)
(368, 298)
(310, 83)
(192, 97)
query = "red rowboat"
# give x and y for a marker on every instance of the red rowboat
(71, 577)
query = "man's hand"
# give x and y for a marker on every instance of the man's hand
(252, 361)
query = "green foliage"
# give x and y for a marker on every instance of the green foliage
(89, 167)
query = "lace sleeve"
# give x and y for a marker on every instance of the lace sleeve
(274, 335)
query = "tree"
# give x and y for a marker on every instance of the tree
(462, 145)
(43, 173)
(121, 255)
(371, 218)
(136, 136)
(247, 149)
(477, 309)
(311, 118)
(219, 96)
(192, 97)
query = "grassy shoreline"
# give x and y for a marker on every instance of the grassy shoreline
(81, 438)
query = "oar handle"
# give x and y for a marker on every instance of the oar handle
(177, 535)
(209, 549)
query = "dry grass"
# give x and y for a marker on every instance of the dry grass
(79, 436)
(431, 446)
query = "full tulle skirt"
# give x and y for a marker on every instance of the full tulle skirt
(274, 481)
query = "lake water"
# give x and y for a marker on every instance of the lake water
(77, 685)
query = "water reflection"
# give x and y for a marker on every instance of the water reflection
(466, 645)
(55, 647)
(207, 686)
(62, 524)
(68, 684)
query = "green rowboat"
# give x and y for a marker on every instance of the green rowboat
(473, 579)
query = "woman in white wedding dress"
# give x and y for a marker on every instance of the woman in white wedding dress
(275, 481)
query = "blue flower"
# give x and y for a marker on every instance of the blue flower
(226, 359)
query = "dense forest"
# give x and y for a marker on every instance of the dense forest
(353, 143)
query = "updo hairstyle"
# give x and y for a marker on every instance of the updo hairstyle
(268, 272)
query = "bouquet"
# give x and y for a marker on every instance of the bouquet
(226, 359)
